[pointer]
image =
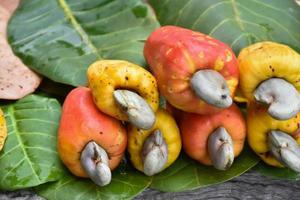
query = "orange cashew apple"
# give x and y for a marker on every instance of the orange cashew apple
(214, 139)
(195, 72)
(90, 143)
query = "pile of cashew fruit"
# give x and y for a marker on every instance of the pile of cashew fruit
(198, 76)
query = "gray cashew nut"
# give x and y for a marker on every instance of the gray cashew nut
(211, 86)
(220, 148)
(154, 153)
(94, 161)
(139, 113)
(282, 96)
(285, 149)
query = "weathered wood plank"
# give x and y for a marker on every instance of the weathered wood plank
(251, 185)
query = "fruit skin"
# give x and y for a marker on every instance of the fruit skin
(259, 123)
(168, 127)
(264, 60)
(175, 54)
(195, 130)
(82, 122)
(107, 75)
(3, 129)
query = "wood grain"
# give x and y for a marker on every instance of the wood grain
(251, 185)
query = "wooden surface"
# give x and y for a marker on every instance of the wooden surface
(251, 185)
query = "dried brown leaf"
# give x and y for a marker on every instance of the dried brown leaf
(16, 80)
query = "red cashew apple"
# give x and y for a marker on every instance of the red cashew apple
(195, 72)
(82, 122)
(203, 136)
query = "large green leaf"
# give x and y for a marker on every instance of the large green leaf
(126, 183)
(61, 38)
(235, 22)
(278, 173)
(186, 174)
(29, 156)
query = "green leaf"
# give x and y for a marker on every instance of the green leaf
(61, 38)
(277, 173)
(126, 183)
(186, 174)
(29, 156)
(235, 22)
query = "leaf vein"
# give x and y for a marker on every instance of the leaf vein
(9, 151)
(274, 21)
(38, 120)
(206, 11)
(277, 9)
(40, 148)
(38, 133)
(17, 165)
(180, 11)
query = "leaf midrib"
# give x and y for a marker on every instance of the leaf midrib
(83, 34)
(19, 139)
